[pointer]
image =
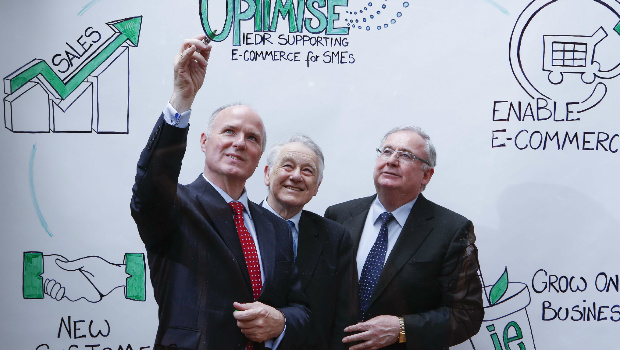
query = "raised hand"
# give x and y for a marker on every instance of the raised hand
(190, 67)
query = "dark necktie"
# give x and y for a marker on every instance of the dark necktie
(249, 249)
(374, 264)
(295, 238)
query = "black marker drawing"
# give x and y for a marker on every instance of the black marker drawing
(566, 53)
(506, 319)
(571, 54)
(90, 278)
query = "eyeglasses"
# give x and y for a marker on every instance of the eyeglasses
(402, 156)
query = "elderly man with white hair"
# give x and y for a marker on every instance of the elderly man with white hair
(322, 248)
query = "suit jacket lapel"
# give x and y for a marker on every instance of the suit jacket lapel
(219, 214)
(413, 234)
(309, 248)
(265, 232)
(355, 224)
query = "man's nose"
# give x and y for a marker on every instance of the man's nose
(239, 142)
(393, 159)
(296, 174)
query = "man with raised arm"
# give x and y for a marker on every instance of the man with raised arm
(417, 280)
(221, 266)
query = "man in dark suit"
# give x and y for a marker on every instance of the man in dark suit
(417, 265)
(322, 247)
(221, 266)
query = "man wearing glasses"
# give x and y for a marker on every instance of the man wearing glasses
(417, 264)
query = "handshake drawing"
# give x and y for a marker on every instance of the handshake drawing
(90, 278)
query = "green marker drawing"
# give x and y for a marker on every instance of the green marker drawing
(136, 284)
(33, 269)
(499, 288)
(128, 30)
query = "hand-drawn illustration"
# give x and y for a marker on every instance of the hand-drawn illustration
(299, 16)
(90, 99)
(33, 193)
(505, 317)
(90, 278)
(498, 6)
(566, 53)
(375, 15)
(87, 7)
(571, 54)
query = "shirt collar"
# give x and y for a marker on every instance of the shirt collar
(294, 219)
(243, 199)
(400, 214)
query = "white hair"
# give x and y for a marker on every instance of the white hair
(429, 148)
(274, 151)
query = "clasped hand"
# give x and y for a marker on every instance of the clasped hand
(259, 322)
(376, 333)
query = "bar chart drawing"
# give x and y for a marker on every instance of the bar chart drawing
(95, 98)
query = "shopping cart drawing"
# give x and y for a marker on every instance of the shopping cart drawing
(571, 54)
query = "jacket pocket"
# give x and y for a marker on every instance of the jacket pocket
(180, 338)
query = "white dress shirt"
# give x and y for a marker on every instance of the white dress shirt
(373, 225)
(173, 118)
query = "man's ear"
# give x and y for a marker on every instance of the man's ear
(427, 176)
(317, 189)
(266, 179)
(203, 142)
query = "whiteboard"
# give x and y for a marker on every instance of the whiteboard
(519, 97)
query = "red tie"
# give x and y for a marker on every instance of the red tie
(249, 249)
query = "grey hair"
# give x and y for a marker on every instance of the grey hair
(429, 148)
(274, 151)
(215, 113)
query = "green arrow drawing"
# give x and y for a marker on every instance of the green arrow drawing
(617, 28)
(128, 29)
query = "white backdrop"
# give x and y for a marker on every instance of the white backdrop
(453, 67)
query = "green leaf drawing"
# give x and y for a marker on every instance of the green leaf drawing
(499, 289)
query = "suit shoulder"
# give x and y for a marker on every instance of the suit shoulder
(329, 231)
(446, 216)
(351, 206)
(321, 222)
(450, 214)
(267, 214)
